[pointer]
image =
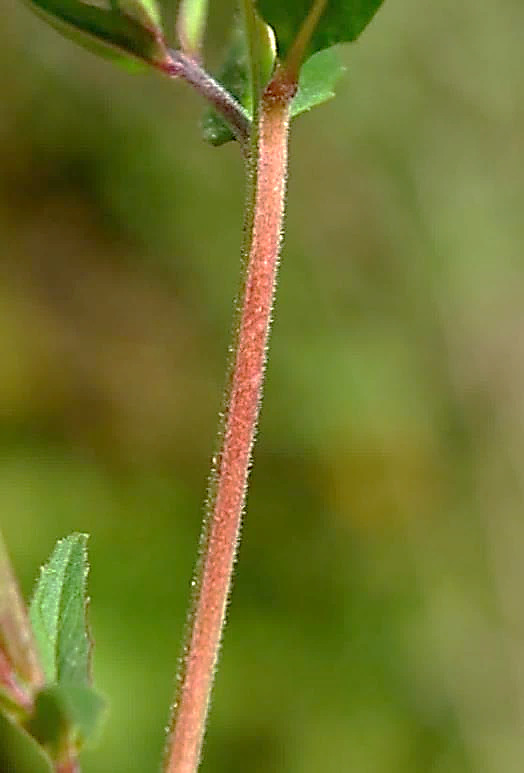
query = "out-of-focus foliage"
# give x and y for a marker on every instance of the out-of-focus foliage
(17, 647)
(376, 622)
(67, 716)
(129, 27)
(191, 25)
(18, 745)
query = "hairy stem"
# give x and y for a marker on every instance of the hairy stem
(189, 69)
(230, 472)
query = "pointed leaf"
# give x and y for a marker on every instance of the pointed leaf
(235, 77)
(58, 613)
(317, 81)
(342, 21)
(112, 27)
(66, 718)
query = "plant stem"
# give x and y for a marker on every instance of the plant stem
(296, 55)
(21, 698)
(190, 26)
(229, 475)
(71, 765)
(16, 635)
(250, 24)
(183, 66)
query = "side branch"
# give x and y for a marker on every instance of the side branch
(189, 69)
(229, 477)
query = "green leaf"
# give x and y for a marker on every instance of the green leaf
(16, 637)
(66, 717)
(19, 751)
(317, 81)
(342, 21)
(191, 25)
(58, 613)
(235, 77)
(117, 28)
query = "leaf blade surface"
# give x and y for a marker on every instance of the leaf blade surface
(341, 22)
(58, 613)
(128, 29)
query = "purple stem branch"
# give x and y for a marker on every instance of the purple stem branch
(189, 69)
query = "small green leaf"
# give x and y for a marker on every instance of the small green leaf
(317, 81)
(66, 717)
(235, 77)
(191, 25)
(58, 613)
(118, 28)
(342, 21)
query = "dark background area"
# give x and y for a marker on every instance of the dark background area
(376, 623)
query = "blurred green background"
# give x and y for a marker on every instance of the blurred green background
(376, 623)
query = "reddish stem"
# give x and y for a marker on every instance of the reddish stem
(8, 680)
(70, 765)
(229, 479)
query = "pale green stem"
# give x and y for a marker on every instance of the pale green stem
(250, 22)
(298, 50)
(190, 26)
